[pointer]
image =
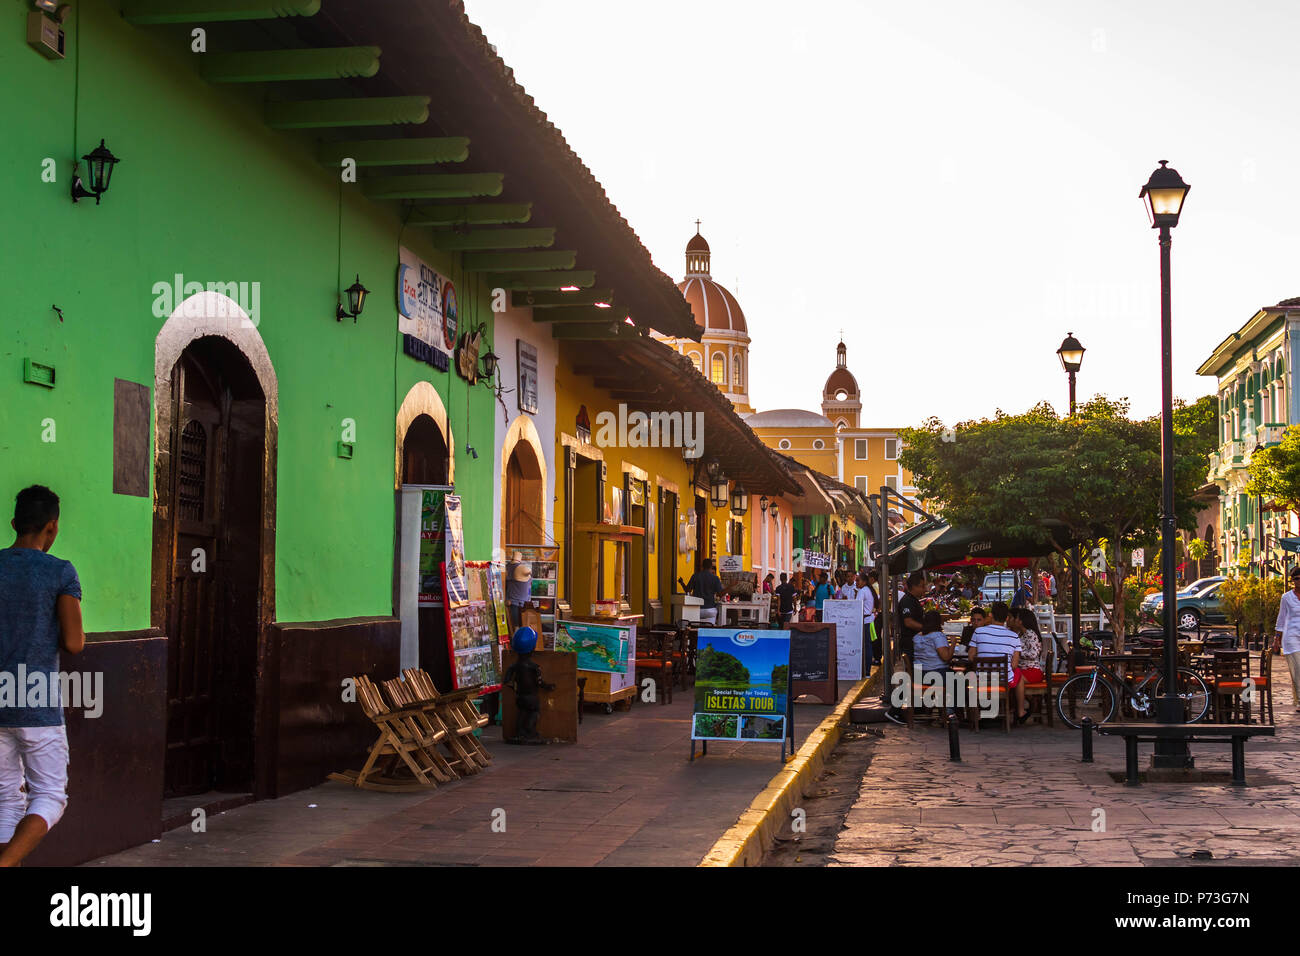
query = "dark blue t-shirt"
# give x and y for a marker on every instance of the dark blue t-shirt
(30, 584)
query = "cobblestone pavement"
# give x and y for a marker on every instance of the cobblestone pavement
(624, 794)
(1026, 798)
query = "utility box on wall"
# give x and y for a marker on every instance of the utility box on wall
(45, 35)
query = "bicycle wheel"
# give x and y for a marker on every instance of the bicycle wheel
(1080, 699)
(1191, 688)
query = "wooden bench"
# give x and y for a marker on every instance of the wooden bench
(1234, 734)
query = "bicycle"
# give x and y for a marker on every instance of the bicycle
(1095, 695)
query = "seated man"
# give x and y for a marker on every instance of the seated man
(998, 640)
(706, 586)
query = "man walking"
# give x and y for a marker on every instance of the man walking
(40, 612)
(1286, 638)
(785, 592)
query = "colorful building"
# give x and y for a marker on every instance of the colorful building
(1257, 403)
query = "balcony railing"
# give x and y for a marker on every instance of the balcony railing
(1270, 434)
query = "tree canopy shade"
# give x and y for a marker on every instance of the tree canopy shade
(1040, 479)
(1275, 471)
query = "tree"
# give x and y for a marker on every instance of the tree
(716, 665)
(1275, 471)
(780, 675)
(1092, 478)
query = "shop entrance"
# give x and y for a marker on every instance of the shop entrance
(524, 506)
(666, 548)
(208, 544)
(426, 461)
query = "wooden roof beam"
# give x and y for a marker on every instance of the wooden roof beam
(550, 300)
(542, 281)
(471, 214)
(435, 186)
(520, 261)
(352, 111)
(142, 12)
(272, 66)
(452, 239)
(578, 313)
(395, 152)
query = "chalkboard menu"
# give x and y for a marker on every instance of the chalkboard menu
(813, 668)
(810, 656)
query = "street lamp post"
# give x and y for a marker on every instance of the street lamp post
(1164, 194)
(1071, 356)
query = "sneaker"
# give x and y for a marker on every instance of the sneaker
(898, 718)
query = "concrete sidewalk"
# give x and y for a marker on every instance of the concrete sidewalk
(625, 794)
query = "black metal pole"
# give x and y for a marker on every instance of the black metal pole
(1075, 597)
(1169, 707)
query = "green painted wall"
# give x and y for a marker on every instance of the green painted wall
(207, 190)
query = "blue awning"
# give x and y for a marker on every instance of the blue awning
(1289, 544)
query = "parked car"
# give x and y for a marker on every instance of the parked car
(1194, 608)
(998, 586)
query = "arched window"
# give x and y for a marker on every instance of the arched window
(719, 374)
(695, 360)
(736, 379)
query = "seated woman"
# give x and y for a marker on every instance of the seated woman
(1030, 671)
(930, 648)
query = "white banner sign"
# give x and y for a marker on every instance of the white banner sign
(847, 618)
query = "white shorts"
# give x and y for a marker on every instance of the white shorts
(37, 757)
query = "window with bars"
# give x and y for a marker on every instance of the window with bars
(192, 472)
(891, 449)
(860, 449)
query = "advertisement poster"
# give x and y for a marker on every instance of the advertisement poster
(432, 547)
(497, 594)
(811, 560)
(457, 586)
(472, 630)
(426, 307)
(847, 618)
(600, 647)
(742, 683)
(651, 527)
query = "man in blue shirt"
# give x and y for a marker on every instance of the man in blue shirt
(40, 612)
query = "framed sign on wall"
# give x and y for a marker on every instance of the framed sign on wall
(527, 361)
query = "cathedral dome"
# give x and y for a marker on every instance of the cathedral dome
(840, 385)
(715, 308)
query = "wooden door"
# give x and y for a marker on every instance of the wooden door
(218, 451)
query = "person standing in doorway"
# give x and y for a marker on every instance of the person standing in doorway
(40, 612)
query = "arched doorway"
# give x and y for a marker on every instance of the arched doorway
(425, 471)
(210, 555)
(424, 453)
(524, 518)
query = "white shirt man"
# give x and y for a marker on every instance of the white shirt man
(849, 591)
(1286, 638)
(996, 639)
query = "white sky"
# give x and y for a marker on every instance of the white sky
(955, 184)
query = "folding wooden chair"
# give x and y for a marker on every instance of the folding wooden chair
(458, 712)
(405, 757)
(463, 758)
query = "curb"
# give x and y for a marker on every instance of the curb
(748, 839)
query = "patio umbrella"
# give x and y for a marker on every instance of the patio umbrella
(1289, 544)
(941, 544)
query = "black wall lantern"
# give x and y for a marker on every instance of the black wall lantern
(739, 500)
(718, 490)
(762, 504)
(356, 301)
(490, 361)
(99, 166)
